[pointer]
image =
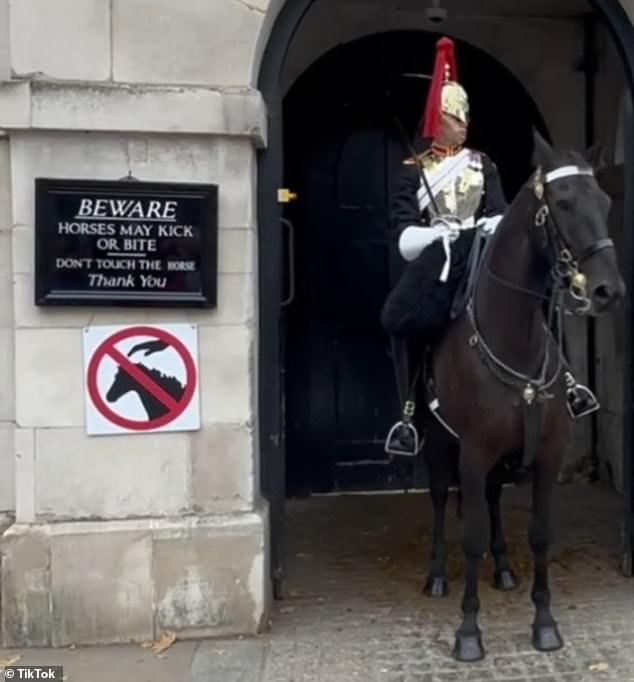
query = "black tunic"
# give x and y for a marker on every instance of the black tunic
(404, 210)
(419, 306)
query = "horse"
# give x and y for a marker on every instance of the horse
(123, 383)
(498, 376)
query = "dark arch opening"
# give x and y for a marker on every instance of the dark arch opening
(373, 74)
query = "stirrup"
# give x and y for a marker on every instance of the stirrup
(403, 439)
(580, 400)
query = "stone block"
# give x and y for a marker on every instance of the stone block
(223, 471)
(23, 249)
(236, 301)
(7, 468)
(5, 38)
(60, 155)
(94, 582)
(101, 586)
(111, 476)
(228, 162)
(226, 359)
(28, 315)
(194, 42)
(6, 300)
(236, 251)
(49, 378)
(25, 588)
(7, 383)
(6, 270)
(211, 580)
(228, 660)
(24, 449)
(15, 104)
(6, 219)
(61, 38)
(143, 108)
(235, 307)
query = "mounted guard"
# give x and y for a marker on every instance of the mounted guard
(448, 200)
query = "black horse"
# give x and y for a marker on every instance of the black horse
(498, 376)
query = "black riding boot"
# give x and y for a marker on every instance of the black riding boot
(581, 400)
(403, 438)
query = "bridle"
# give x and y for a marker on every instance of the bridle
(566, 278)
(566, 271)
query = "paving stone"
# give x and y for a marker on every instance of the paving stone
(354, 608)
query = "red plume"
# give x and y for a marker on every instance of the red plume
(444, 69)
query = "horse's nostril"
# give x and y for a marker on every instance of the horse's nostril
(603, 294)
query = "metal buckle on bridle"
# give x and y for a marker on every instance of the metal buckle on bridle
(542, 215)
(567, 270)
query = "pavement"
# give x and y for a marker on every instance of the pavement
(353, 607)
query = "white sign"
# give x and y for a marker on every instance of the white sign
(141, 379)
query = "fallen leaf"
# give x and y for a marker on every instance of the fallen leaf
(166, 641)
(599, 668)
(4, 662)
(147, 645)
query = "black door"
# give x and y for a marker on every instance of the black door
(343, 149)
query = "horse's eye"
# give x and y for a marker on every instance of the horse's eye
(564, 204)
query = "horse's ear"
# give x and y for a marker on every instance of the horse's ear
(595, 156)
(542, 151)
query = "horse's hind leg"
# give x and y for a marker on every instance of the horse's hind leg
(546, 636)
(439, 464)
(473, 477)
(504, 578)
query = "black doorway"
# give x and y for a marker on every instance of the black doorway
(342, 150)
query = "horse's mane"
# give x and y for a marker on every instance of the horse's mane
(171, 384)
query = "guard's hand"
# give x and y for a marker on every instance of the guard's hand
(454, 233)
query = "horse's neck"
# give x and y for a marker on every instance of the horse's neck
(511, 321)
(153, 407)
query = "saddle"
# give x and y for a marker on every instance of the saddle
(405, 314)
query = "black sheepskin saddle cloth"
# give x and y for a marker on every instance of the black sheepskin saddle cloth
(420, 306)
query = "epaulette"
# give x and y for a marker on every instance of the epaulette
(411, 160)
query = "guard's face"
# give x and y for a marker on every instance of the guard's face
(453, 131)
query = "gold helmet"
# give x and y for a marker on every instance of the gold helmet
(455, 101)
(445, 93)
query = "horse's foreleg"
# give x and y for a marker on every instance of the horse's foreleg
(546, 636)
(439, 466)
(473, 476)
(504, 578)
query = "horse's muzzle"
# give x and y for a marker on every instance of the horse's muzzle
(606, 294)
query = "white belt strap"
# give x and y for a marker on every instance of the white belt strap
(447, 171)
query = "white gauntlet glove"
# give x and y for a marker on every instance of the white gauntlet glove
(414, 239)
(489, 225)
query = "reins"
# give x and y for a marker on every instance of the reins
(565, 276)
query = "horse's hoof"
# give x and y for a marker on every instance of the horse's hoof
(505, 580)
(436, 587)
(468, 648)
(547, 638)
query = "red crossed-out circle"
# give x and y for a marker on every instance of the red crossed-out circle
(175, 407)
